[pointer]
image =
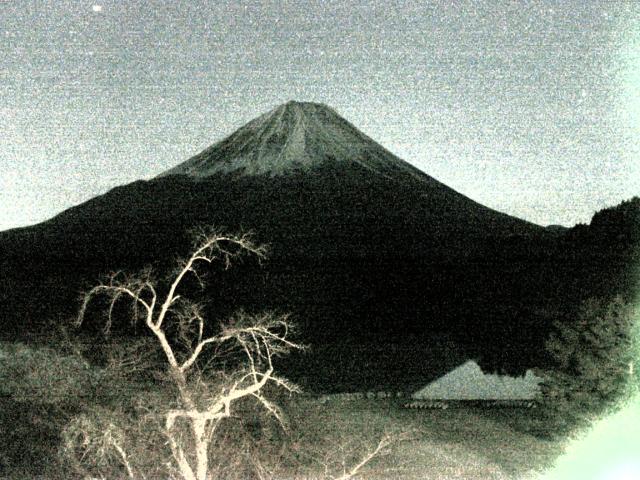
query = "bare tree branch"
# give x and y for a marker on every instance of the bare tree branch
(260, 338)
(382, 444)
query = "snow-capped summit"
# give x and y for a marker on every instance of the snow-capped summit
(295, 136)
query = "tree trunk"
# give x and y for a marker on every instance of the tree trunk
(202, 459)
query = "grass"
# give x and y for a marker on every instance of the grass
(470, 443)
(322, 440)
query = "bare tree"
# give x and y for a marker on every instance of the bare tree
(202, 402)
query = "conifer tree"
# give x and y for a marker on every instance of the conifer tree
(595, 362)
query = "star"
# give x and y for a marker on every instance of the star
(97, 8)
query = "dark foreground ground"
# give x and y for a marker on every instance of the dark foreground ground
(324, 436)
(465, 443)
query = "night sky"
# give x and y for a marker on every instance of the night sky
(531, 108)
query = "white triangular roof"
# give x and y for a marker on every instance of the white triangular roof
(468, 382)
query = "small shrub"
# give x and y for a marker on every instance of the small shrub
(40, 391)
(40, 375)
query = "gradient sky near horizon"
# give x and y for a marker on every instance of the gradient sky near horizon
(531, 108)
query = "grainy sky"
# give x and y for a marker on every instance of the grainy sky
(531, 107)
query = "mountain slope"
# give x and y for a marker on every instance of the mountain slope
(366, 250)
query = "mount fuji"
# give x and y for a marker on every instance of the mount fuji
(379, 263)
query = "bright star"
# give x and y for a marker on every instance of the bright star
(97, 8)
